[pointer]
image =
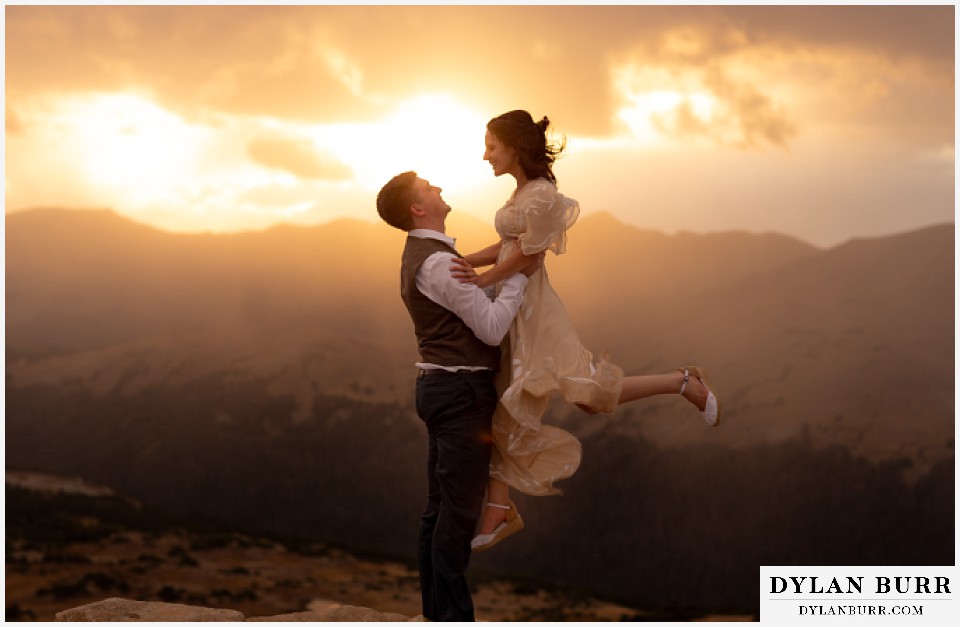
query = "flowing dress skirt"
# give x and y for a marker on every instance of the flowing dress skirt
(543, 357)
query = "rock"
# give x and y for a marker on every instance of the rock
(336, 614)
(124, 610)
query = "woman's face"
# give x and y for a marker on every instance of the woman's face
(501, 157)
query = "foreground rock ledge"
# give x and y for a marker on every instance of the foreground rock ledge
(125, 610)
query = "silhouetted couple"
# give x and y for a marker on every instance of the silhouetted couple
(487, 372)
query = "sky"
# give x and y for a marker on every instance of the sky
(821, 122)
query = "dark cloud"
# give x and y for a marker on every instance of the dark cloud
(922, 32)
(298, 157)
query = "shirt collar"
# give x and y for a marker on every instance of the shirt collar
(431, 234)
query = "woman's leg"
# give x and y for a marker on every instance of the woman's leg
(644, 386)
(497, 492)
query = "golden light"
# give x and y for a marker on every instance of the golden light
(433, 134)
(654, 114)
(660, 104)
(126, 152)
(131, 144)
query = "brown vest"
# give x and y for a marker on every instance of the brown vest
(443, 337)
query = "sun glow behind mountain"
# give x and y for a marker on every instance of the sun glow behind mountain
(676, 118)
(129, 144)
(135, 155)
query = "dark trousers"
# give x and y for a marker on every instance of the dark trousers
(457, 410)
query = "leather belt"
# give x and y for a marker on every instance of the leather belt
(438, 371)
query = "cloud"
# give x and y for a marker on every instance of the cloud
(345, 70)
(241, 60)
(774, 76)
(701, 103)
(298, 157)
(325, 64)
(754, 117)
(924, 33)
(13, 123)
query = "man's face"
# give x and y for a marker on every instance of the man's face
(430, 200)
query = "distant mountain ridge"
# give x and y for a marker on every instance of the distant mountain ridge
(103, 266)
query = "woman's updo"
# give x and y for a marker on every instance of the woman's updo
(517, 130)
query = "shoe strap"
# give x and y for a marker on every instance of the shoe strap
(499, 506)
(686, 379)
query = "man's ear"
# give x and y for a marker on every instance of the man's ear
(416, 211)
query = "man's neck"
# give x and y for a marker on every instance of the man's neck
(432, 234)
(440, 227)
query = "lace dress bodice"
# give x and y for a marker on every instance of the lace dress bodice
(536, 217)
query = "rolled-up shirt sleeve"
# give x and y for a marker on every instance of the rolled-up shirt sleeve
(488, 319)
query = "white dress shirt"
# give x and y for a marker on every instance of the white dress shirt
(488, 319)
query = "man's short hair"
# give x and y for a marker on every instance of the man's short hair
(395, 199)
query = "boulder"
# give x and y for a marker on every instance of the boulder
(335, 614)
(125, 610)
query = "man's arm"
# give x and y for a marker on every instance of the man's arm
(489, 320)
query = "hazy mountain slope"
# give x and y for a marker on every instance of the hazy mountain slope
(854, 344)
(91, 279)
(88, 281)
(609, 263)
(836, 341)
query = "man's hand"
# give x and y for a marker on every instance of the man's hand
(463, 271)
(536, 263)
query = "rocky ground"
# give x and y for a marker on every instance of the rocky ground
(255, 577)
(65, 550)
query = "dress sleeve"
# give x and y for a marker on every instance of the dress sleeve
(548, 214)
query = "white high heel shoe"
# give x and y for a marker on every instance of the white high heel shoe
(710, 412)
(507, 528)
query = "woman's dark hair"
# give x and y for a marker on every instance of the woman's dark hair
(517, 130)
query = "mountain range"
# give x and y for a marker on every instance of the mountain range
(266, 378)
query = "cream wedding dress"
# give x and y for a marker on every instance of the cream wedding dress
(543, 355)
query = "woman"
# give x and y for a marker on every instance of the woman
(544, 355)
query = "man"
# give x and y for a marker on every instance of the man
(459, 330)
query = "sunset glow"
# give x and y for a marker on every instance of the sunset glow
(132, 145)
(432, 134)
(299, 114)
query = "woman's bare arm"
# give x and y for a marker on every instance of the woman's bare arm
(516, 262)
(485, 257)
